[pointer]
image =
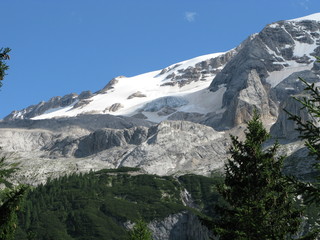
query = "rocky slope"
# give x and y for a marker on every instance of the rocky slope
(264, 72)
(171, 147)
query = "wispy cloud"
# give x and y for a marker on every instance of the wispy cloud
(190, 16)
(304, 4)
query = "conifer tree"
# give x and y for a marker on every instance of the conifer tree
(3, 66)
(10, 197)
(259, 200)
(140, 231)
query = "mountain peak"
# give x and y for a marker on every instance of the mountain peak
(311, 17)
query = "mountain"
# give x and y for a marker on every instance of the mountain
(175, 120)
(153, 96)
(150, 133)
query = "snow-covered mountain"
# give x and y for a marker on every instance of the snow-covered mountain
(208, 97)
(219, 90)
(153, 96)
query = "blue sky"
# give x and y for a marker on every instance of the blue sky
(65, 46)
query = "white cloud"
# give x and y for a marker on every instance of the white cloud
(190, 16)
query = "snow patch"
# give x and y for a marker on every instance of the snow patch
(312, 17)
(276, 77)
(302, 49)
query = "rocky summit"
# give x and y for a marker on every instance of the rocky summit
(175, 120)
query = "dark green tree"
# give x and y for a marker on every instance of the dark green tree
(259, 200)
(10, 201)
(10, 196)
(3, 66)
(140, 231)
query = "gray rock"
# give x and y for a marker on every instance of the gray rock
(42, 107)
(166, 111)
(259, 55)
(139, 116)
(82, 103)
(114, 107)
(87, 122)
(183, 147)
(136, 94)
(110, 84)
(104, 139)
(201, 70)
(187, 116)
(183, 225)
(85, 95)
(252, 96)
(285, 128)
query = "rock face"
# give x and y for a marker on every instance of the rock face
(252, 96)
(179, 226)
(114, 107)
(104, 139)
(136, 94)
(195, 73)
(284, 128)
(259, 76)
(179, 147)
(53, 103)
(171, 147)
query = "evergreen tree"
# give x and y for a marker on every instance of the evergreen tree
(10, 197)
(310, 132)
(259, 200)
(140, 231)
(3, 66)
(10, 201)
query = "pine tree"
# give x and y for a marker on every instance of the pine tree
(10, 197)
(310, 132)
(259, 200)
(140, 231)
(3, 66)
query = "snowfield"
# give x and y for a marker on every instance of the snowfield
(133, 95)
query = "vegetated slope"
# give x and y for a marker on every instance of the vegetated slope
(103, 205)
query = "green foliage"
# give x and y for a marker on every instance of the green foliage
(10, 197)
(204, 191)
(96, 205)
(140, 231)
(5, 171)
(8, 212)
(260, 203)
(119, 170)
(10, 201)
(3, 66)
